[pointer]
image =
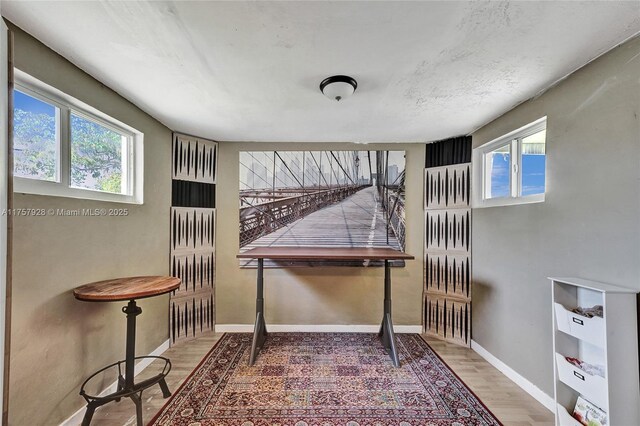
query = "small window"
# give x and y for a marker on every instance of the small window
(511, 169)
(63, 147)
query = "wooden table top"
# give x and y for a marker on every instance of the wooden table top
(324, 253)
(128, 288)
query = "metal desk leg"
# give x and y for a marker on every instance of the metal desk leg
(386, 328)
(260, 328)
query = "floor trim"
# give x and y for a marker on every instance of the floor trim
(316, 328)
(76, 418)
(516, 378)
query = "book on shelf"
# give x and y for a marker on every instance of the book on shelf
(588, 414)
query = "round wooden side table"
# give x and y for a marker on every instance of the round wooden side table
(118, 290)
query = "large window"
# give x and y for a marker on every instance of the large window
(511, 169)
(63, 147)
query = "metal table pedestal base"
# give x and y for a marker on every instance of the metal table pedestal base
(126, 386)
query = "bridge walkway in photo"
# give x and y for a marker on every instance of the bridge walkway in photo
(356, 221)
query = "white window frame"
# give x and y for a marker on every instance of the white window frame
(514, 140)
(132, 157)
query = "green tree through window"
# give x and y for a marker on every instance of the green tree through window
(96, 156)
(65, 148)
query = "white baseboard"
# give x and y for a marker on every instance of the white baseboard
(76, 418)
(315, 328)
(525, 384)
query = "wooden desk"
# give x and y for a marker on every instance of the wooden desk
(121, 289)
(324, 253)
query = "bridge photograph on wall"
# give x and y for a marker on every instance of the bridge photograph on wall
(323, 199)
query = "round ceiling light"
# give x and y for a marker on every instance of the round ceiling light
(338, 87)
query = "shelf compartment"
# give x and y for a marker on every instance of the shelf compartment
(565, 418)
(590, 330)
(592, 388)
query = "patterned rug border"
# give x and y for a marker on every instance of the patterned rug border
(186, 379)
(218, 342)
(457, 377)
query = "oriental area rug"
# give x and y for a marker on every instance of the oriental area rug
(322, 379)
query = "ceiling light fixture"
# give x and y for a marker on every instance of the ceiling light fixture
(338, 87)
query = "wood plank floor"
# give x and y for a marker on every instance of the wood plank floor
(507, 401)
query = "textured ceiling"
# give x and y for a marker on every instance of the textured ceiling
(249, 71)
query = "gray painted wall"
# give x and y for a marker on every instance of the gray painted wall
(56, 341)
(589, 224)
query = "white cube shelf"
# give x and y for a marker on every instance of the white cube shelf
(611, 341)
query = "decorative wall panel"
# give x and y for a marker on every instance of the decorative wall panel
(448, 319)
(447, 187)
(196, 270)
(448, 275)
(192, 228)
(448, 230)
(191, 315)
(194, 159)
(192, 249)
(193, 261)
(447, 248)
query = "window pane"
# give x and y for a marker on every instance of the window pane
(97, 160)
(533, 163)
(35, 142)
(497, 173)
